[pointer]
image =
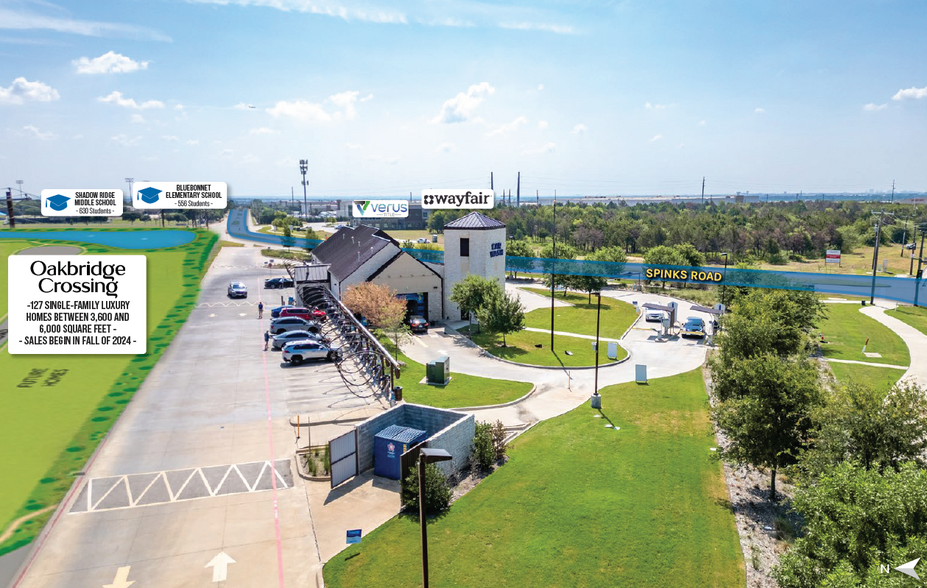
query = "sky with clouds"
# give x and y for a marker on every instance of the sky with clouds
(625, 97)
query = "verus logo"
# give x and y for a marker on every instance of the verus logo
(380, 209)
(456, 199)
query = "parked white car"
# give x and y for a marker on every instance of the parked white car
(299, 351)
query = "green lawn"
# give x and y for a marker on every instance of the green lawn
(846, 330)
(876, 377)
(54, 429)
(8, 248)
(579, 505)
(463, 390)
(520, 347)
(617, 316)
(914, 316)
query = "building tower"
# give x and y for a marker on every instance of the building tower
(473, 244)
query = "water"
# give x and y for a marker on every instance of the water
(144, 239)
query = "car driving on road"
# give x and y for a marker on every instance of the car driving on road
(299, 351)
(694, 327)
(283, 339)
(290, 323)
(238, 290)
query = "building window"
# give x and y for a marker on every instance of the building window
(465, 247)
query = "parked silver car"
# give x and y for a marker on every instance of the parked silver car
(281, 340)
(290, 323)
(299, 351)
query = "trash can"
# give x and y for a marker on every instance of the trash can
(389, 445)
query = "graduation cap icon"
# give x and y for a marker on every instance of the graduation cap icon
(149, 195)
(57, 202)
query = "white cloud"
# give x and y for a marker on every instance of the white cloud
(117, 99)
(650, 106)
(249, 158)
(538, 26)
(445, 148)
(546, 148)
(170, 137)
(542, 124)
(912, 92)
(137, 118)
(540, 87)
(125, 141)
(22, 90)
(178, 107)
(656, 138)
(702, 123)
(367, 97)
(300, 110)
(39, 134)
(352, 146)
(461, 107)
(77, 137)
(346, 13)
(346, 101)
(871, 107)
(507, 128)
(759, 110)
(287, 162)
(109, 62)
(242, 106)
(226, 154)
(579, 129)
(193, 141)
(24, 21)
(264, 131)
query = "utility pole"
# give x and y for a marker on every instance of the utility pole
(9, 207)
(703, 189)
(491, 187)
(875, 254)
(518, 192)
(552, 274)
(303, 168)
(920, 258)
(893, 192)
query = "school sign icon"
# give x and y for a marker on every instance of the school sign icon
(380, 209)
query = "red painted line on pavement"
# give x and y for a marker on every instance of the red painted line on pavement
(273, 465)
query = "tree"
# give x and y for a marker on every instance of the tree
(564, 251)
(435, 489)
(764, 406)
(689, 254)
(518, 249)
(287, 239)
(501, 313)
(471, 293)
(878, 429)
(663, 255)
(776, 321)
(483, 454)
(854, 520)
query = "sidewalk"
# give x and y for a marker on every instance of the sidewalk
(914, 339)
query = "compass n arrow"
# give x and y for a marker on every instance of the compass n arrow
(220, 566)
(122, 579)
(908, 568)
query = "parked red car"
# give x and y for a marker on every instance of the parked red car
(310, 314)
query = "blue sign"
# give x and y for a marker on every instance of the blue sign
(354, 536)
(495, 250)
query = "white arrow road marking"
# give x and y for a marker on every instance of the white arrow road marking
(908, 568)
(122, 579)
(220, 566)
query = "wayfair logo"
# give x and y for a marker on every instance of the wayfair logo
(380, 209)
(457, 199)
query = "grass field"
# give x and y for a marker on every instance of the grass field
(8, 248)
(916, 317)
(617, 316)
(846, 330)
(876, 377)
(413, 235)
(521, 347)
(55, 428)
(579, 504)
(463, 390)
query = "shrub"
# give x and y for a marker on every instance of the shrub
(498, 440)
(484, 452)
(436, 489)
(327, 460)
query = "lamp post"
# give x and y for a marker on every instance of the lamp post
(426, 456)
(596, 399)
(724, 283)
(303, 168)
(552, 274)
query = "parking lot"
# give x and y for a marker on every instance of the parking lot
(214, 404)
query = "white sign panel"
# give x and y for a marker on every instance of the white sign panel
(832, 256)
(380, 209)
(457, 199)
(82, 202)
(86, 304)
(177, 195)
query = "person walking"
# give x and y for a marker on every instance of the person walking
(260, 310)
(266, 339)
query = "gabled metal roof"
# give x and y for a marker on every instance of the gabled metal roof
(475, 221)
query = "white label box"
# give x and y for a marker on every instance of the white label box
(82, 202)
(457, 199)
(77, 304)
(180, 195)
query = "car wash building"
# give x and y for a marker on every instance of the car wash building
(473, 244)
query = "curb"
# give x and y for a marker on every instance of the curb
(299, 471)
(534, 388)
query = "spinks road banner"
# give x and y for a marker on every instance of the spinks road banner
(458, 199)
(69, 304)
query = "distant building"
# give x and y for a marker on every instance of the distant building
(416, 221)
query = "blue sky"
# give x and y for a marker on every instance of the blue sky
(627, 97)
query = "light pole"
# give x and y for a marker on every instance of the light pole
(426, 456)
(552, 274)
(303, 168)
(724, 283)
(596, 399)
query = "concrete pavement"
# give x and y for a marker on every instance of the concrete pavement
(914, 339)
